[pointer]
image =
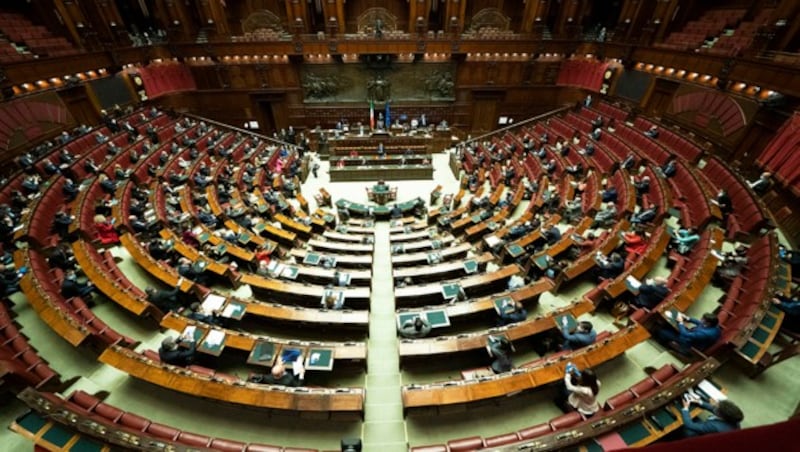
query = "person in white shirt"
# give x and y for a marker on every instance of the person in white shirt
(581, 389)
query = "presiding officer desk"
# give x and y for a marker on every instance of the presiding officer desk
(236, 391)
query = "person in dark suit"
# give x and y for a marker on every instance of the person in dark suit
(610, 268)
(171, 351)
(70, 190)
(791, 309)
(726, 417)
(279, 376)
(651, 293)
(511, 312)
(500, 349)
(419, 327)
(705, 333)
(61, 223)
(71, 287)
(62, 257)
(580, 336)
(165, 300)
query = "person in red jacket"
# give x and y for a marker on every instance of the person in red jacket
(105, 231)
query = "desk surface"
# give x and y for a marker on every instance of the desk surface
(243, 393)
(538, 373)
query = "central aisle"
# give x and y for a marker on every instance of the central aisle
(384, 427)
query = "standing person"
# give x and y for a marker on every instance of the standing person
(579, 392)
(499, 348)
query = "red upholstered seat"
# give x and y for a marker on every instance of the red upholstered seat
(134, 421)
(226, 445)
(433, 448)
(566, 420)
(263, 448)
(109, 412)
(664, 373)
(535, 431)
(84, 400)
(162, 431)
(193, 439)
(465, 444)
(619, 400)
(501, 440)
(643, 387)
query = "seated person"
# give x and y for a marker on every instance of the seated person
(107, 184)
(415, 328)
(177, 352)
(163, 299)
(652, 132)
(70, 190)
(519, 230)
(651, 293)
(499, 348)
(704, 334)
(196, 312)
(332, 300)
(606, 215)
(279, 376)
(573, 209)
(551, 235)
(723, 201)
(642, 186)
(609, 194)
(597, 134)
(609, 268)
(684, 240)
(62, 257)
(9, 280)
(726, 417)
(186, 268)
(669, 168)
(396, 212)
(61, 223)
(160, 249)
(105, 231)
(791, 308)
(645, 215)
(629, 162)
(72, 287)
(635, 243)
(511, 312)
(31, 184)
(730, 267)
(580, 336)
(761, 184)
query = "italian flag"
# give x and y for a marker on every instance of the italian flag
(371, 115)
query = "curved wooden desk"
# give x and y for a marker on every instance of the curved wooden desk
(240, 392)
(474, 341)
(540, 372)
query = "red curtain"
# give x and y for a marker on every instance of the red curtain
(781, 157)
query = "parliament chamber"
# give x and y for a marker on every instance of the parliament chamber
(263, 225)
